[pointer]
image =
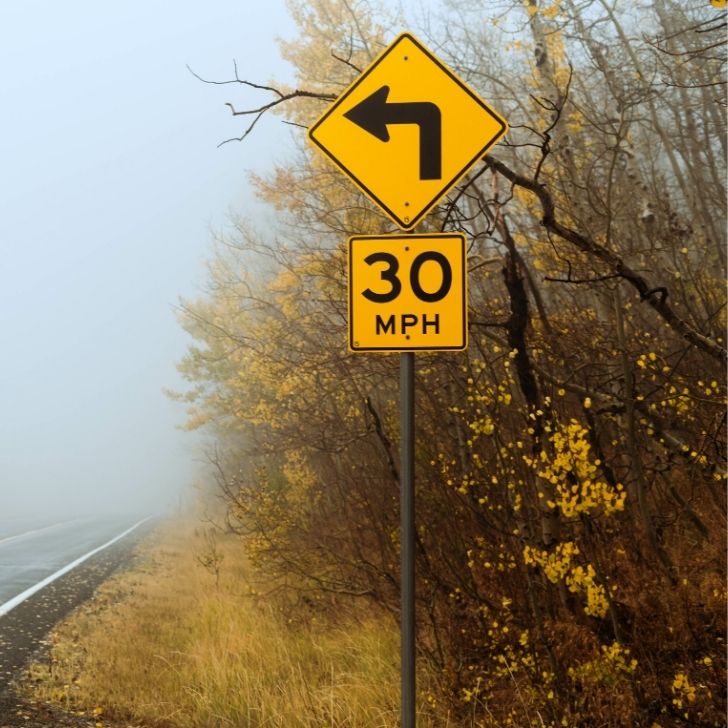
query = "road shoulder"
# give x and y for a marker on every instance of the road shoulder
(24, 632)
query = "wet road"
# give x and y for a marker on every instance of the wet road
(46, 570)
(31, 553)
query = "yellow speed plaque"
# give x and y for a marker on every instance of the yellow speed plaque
(407, 292)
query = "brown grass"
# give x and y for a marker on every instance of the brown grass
(163, 645)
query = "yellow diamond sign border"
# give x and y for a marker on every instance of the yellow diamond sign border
(404, 288)
(368, 108)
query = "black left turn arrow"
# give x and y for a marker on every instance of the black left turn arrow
(374, 113)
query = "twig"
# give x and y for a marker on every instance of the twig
(257, 112)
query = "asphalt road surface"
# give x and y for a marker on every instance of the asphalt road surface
(46, 570)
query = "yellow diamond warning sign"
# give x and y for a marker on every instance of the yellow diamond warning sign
(407, 293)
(407, 130)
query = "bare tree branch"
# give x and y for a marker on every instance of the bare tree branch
(613, 261)
(259, 111)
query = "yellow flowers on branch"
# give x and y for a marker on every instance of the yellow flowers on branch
(558, 566)
(574, 475)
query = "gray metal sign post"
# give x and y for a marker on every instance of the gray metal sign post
(407, 533)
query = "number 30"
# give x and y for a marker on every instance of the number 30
(389, 275)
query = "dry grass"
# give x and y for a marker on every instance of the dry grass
(163, 645)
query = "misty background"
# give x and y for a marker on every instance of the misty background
(111, 184)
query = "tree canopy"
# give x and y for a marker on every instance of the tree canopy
(571, 463)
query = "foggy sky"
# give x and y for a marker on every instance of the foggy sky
(110, 182)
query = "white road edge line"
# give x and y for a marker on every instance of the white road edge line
(20, 598)
(7, 539)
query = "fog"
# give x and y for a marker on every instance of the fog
(111, 182)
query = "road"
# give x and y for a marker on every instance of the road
(48, 568)
(34, 555)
